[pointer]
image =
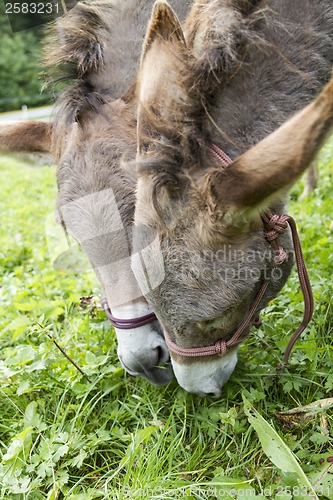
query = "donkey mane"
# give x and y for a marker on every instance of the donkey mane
(224, 31)
(83, 51)
(94, 53)
(249, 70)
(224, 35)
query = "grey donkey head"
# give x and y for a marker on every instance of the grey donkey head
(207, 216)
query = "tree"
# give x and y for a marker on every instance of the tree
(20, 68)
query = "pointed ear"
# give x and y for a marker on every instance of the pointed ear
(159, 85)
(164, 26)
(22, 137)
(274, 164)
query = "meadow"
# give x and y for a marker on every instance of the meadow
(99, 433)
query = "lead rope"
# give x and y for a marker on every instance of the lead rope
(274, 226)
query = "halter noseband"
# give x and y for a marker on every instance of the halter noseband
(220, 347)
(274, 226)
(127, 324)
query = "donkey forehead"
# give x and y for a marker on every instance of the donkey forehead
(208, 309)
(201, 283)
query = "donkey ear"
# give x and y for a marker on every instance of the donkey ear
(21, 137)
(274, 164)
(162, 60)
(163, 26)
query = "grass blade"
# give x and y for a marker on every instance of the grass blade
(275, 448)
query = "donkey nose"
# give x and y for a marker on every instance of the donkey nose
(151, 364)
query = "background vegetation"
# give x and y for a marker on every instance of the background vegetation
(21, 57)
(117, 437)
(20, 64)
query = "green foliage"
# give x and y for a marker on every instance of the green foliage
(118, 437)
(20, 66)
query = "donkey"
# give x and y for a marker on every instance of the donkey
(96, 49)
(224, 85)
(142, 146)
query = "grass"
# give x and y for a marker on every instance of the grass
(117, 437)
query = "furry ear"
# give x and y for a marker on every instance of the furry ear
(273, 165)
(26, 137)
(159, 87)
(163, 25)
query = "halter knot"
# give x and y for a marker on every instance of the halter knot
(275, 225)
(220, 348)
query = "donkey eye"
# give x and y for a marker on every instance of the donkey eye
(210, 324)
(145, 147)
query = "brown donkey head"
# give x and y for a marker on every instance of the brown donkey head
(207, 216)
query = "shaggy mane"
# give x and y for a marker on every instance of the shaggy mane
(93, 52)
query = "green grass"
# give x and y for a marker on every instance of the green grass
(117, 437)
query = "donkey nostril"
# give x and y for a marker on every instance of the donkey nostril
(161, 356)
(159, 353)
(214, 394)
